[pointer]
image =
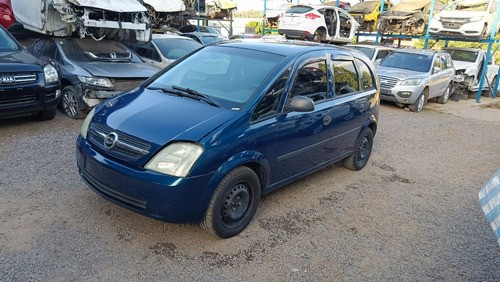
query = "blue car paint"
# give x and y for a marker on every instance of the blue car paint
(230, 140)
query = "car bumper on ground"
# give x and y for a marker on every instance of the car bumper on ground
(163, 197)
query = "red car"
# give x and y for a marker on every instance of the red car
(6, 14)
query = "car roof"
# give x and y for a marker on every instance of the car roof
(280, 47)
(199, 33)
(419, 51)
(169, 35)
(464, 49)
(370, 46)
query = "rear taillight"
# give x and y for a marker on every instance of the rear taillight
(312, 16)
(6, 15)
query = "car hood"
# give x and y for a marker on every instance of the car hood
(461, 65)
(111, 5)
(19, 61)
(160, 118)
(166, 6)
(119, 70)
(401, 74)
(463, 14)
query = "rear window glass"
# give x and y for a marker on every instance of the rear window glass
(173, 49)
(299, 9)
(365, 50)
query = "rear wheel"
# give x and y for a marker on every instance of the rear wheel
(317, 37)
(233, 203)
(362, 151)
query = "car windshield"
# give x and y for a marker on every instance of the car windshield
(364, 7)
(365, 50)
(7, 44)
(88, 50)
(408, 61)
(227, 75)
(463, 55)
(468, 6)
(173, 48)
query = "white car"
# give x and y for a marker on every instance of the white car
(321, 23)
(97, 19)
(465, 18)
(373, 52)
(164, 49)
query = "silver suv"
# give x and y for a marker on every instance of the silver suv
(412, 77)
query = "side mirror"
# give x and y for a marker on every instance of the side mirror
(435, 70)
(300, 104)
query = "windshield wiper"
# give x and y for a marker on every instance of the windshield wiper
(198, 95)
(181, 92)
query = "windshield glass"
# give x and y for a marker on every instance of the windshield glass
(408, 61)
(365, 50)
(364, 7)
(228, 75)
(89, 50)
(468, 6)
(7, 44)
(173, 48)
(463, 55)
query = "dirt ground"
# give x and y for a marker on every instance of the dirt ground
(411, 214)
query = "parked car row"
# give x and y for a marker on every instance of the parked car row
(471, 19)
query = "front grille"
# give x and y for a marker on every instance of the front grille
(126, 84)
(387, 82)
(126, 147)
(18, 100)
(453, 23)
(9, 79)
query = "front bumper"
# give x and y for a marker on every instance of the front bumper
(16, 101)
(163, 197)
(401, 94)
(458, 30)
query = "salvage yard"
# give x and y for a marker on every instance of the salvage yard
(411, 214)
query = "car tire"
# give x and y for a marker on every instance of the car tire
(317, 37)
(46, 115)
(70, 103)
(446, 95)
(418, 105)
(233, 203)
(362, 151)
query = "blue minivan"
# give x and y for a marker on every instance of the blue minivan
(202, 140)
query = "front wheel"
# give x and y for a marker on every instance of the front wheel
(418, 105)
(362, 151)
(444, 98)
(71, 103)
(233, 203)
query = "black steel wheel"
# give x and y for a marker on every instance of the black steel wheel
(362, 151)
(233, 203)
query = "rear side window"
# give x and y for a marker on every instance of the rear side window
(366, 76)
(345, 77)
(299, 9)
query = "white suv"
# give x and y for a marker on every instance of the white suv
(318, 23)
(465, 18)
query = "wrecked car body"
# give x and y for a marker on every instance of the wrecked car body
(84, 18)
(469, 64)
(164, 14)
(367, 13)
(408, 17)
(213, 9)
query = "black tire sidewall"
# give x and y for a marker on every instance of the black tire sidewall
(369, 135)
(79, 111)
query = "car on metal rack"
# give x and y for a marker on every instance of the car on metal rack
(28, 86)
(414, 76)
(367, 14)
(375, 53)
(228, 123)
(205, 38)
(91, 71)
(320, 23)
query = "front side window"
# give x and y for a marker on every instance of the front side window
(311, 81)
(345, 77)
(268, 106)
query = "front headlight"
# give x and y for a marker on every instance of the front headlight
(475, 19)
(436, 17)
(175, 159)
(50, 74)
(411, 82)
(96, 81)
(86, 123)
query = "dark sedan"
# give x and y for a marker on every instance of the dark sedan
(205, 138)
(91, 71)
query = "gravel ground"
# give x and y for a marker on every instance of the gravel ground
(411, 214)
